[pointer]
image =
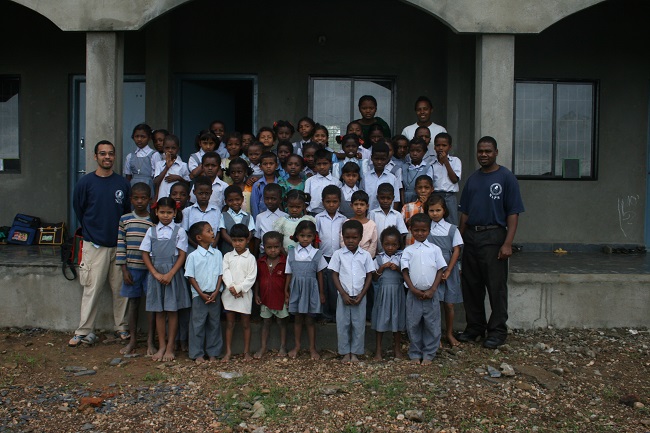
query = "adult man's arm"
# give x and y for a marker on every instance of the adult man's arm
(506, 249)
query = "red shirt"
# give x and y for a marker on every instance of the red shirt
(272, 284)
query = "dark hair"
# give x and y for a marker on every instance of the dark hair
(239, 231)
(161, 130)
(173, 138)
(102, 142)
(346, 137)
(256, 143)
(486, 139)
(202, 180)
(350, 167)
(436, 199)
(421, 128)
(352, 123)
(385, 188)
(241, 162)
(287, 144)
(300, 158)
(444, 136)
(232, 189)
(424, 178)
(272, 235)
(380, 147)
(269, 155)
(170, 203)
(420, 218)
(397, 138)
(304, 225)
(196, 229)
(323, 154)
(311, 145)
(352, 225)
(422, 99)
(376, 127)
(208, 155)
(296, 194)
(320, 127)
(391, 231)
(273, 188)
(360, 196)
(367, 98)
(233, 134)
(142, 127)
(331, 190)
(308, 120)
(265, 129)
(205, 134)
(283, 124)
(221, 122)
(141, 187)
(184, 185)
(418, 142)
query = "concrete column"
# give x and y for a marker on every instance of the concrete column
(104, 78)
(158, 85)
(495, 74)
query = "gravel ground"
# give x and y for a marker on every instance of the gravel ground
(542, 381)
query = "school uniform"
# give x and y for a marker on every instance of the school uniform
(447, 236)
(303, 263)
(346, 200)
(228, 219)
(389, 309)
(336, 168)
(410, 172)
(443, 186)
(371, 181)
(139, 165)
(216, 198)
(257, 170)
(423, 260)
(194, 214)
(257, 196)
(383, 220)
(264, 223)
(314, 187)
(179, 168)
(240, 272)
(353, 268)
(329, 231)
(195, 160)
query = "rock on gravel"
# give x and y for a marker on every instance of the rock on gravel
(414, 415)
(546, 379)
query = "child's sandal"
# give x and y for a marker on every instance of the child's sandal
(123, 335)
(90, 339)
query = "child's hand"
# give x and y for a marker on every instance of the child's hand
(286, 298)
(346, 299)
(213, 296)
(445, 275)
(172, 178)
(233, 292)
(251, 180)
(166, 279)
(168, 160)
(322, 298)
(205, 298)
(442, 157)
(128, 278)
(258, 300)
(394, 267)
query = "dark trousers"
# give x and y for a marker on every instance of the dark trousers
(482, 270)
(331, 294)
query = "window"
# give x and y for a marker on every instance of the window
(555, 130)
(9, 155)
(333, 101)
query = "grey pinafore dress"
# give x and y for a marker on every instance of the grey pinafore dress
(449, 291)
(389, 309)
(305, 296)
(224, 246)
(141, 170)
(408, 179)
(171, 297)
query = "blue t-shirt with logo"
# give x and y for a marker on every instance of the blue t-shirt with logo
(488, 198)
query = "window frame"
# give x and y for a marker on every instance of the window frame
(14, 170)
(594, 128)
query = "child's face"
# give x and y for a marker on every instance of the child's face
(207, 145)
(171, 149)
(141, 138)
(234, 201)
(423, 189)
(385, 201)
(331, 203)
(269, 165)
(351, 239)
(237, 173)
(206, 238)
(436, 212)
(323, 166)
(402, 149)
(420, 231)
(308, 156)
(355, 128)
(139, 200)
(272, 248)
(246, 140)
(165, 214)
(360, 208)
(305, 130)
(379, 160)
(158, 141)
(375, 136)
(294, 165)
(202, 193)
(272, 200)
(424, 134)
(305, 238)
(179, 194)
(390, 245)
(350, 148)
(218, 129)
(368, 110)
(423, 111)
(233, 146)
(239, 244)
(266, 138)
(296, 208)
(320, 138)
(417, 152)
(442, 146)
(211, 167)
(283, 154)
(254, 153)
(350, 179)
(284, 133)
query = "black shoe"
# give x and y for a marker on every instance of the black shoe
(493, 342)
(467, 337)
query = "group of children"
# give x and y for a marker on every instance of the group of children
(297, 229)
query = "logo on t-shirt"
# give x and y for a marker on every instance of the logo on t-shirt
(119, 196)
(495, 191)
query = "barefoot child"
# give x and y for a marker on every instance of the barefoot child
(389, 309)
(203, 269)
(352, 269)
(447, 237)
(304, 286)
(239, 274)
(269, 290)
(133, 227)
(165, 247)
(422, 265)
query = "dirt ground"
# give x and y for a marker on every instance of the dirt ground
(550, 381)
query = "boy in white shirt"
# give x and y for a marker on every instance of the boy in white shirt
(314, 185)
(171, 169)
(445, 172)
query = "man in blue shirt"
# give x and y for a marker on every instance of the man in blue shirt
(100, 199)
(490, 206)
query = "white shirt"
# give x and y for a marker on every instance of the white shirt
(441, 228)
(216, 199)
(238, 218)
(194, 214)
(385, 258)
(367, 167)
(314, 187)
(264, 222)
(178, 167)
(383, 220)
(329, 230)
(365, 153)
(438, 172)
(336, 168)
(191, 162)
(155, 159)
(409, 132)
(240, 272)
(139, 153)
(352, 268)
(305, 254)
(257, 170)
(205, 266)
(371, 182)
(164, 232)
(346, 192)
(423, 260)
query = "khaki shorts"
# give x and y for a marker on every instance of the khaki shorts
(267, 313)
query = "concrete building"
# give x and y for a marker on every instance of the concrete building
(561, 84)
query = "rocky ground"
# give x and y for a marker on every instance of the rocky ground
(541, 381)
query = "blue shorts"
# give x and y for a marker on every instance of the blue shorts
(138, 289)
